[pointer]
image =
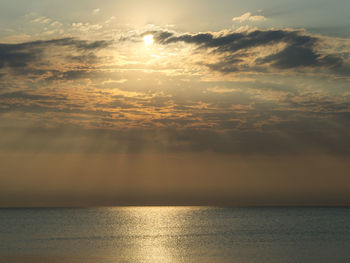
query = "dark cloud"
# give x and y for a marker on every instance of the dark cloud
(70, 75)
(236, 41)
(300, 48)
(20, 56)
(77, 43)
(84, 58)
(22, 95)
(15, 56)
(299, 56)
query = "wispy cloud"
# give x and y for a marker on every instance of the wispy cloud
(41, 20)
(96, 11)
(249, 17)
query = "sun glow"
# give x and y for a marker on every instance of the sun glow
(148, 39)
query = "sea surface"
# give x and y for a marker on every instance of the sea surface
(175, 234)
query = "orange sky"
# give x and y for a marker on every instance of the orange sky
(124, 103)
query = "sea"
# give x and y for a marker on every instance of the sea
(175, 234)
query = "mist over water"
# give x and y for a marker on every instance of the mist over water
(175, 234)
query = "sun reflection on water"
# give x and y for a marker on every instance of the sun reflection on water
(156, 232)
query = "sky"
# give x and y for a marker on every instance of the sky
(174, 102)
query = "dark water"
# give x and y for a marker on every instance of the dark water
(175, 234)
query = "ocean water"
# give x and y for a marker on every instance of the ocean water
(175, 234)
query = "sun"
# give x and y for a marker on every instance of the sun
(148, 39)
